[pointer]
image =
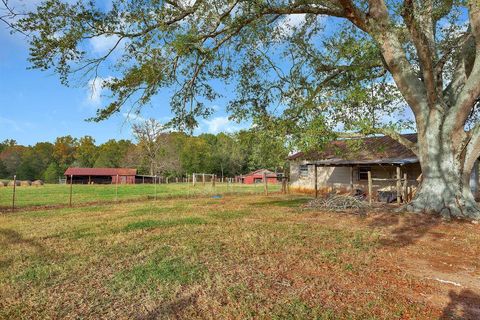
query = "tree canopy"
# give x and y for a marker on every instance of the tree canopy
(304, 68)
(225, 155)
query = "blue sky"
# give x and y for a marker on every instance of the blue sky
(35, 107)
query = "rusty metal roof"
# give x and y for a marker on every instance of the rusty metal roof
(372, 150)
(260, 172)
(100, 172)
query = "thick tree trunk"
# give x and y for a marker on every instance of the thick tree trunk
(445, 186)
(442, 193)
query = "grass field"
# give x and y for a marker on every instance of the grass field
(55, 194)
(237, 257)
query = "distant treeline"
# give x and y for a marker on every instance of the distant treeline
(168, 154)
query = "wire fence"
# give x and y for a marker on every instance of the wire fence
(17, 195)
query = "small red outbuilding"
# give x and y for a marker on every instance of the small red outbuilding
(257, 177)
(101, 175)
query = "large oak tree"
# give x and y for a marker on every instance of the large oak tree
(307, 76)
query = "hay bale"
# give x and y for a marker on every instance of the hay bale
(25, 183)
(11, 183)
(37, 183)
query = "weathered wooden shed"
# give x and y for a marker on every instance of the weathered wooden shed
(348, 165)
(100, 175)
(344, 166)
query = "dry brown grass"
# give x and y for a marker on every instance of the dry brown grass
(234, 258)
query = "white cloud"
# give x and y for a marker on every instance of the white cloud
(290, 22)
(102, 44)
(133, 117)
(221, 124)
(95, 90)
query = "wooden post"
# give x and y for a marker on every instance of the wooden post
(116, 189)
(316, 181)
(351, 179)
(143, 180)
(193, 179)
(167, 180)
(71, 187)
(404, 189)
(399, 186)
(265, 183)
(155, 182)
(203, 179)
(370, 187)
(213, 180)
(89, 179)
(14, 190)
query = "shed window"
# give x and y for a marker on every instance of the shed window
(304, 170)
(363, 173)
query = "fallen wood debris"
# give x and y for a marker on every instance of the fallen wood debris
(337, 203)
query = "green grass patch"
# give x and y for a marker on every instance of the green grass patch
(55, 194)
(152, 224)
(162, 269)
(150, 210)
(289, 203)
(230, 215)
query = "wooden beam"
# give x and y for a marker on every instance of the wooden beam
(399, 185)
(316, 182)
(369, 187)
(351, 179)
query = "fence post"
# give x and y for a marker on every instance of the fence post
(116, 189)
(71, 189)
(265, 183)
(194, 178)
(203, 179)
(405, 186)
(155, 183)
(213, 180)
(316, 182)
(399, 186)
(14, 190)
(369, 187)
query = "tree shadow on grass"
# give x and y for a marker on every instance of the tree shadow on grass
(464, 305)
(403, 230)
(10, 238)
(169, 310)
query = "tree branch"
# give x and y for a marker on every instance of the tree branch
(470, 91)
(420, 25)
(412, 89)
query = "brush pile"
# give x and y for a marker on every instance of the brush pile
(337, 202)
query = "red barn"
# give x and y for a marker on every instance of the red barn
(101, 175)
(257, 177)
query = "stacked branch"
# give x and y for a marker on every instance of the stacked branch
(337, 203)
